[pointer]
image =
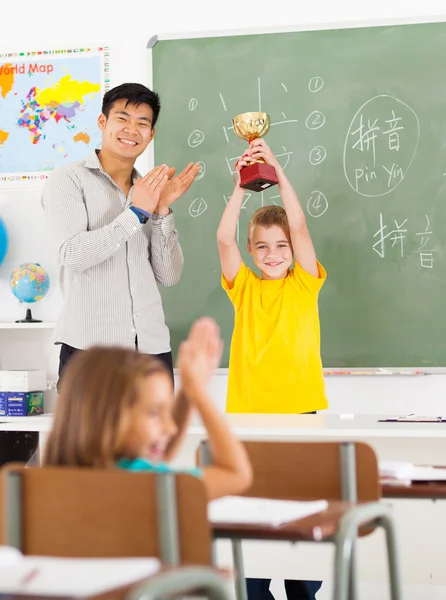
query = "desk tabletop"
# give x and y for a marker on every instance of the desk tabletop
(323, 427)
(282, 427)
(318, 527)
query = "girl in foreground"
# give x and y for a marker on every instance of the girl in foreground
(117, 408)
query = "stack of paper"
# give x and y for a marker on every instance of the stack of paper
(9, 556)
(31, 575)
(395, 469)
(406, 471)
(261, 511)
(428, 474)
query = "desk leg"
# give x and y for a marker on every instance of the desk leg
(240, 581)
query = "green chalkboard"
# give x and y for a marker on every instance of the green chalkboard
(359, 122)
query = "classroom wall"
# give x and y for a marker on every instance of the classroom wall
(126, 29)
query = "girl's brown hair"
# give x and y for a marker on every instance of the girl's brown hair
(98, 387)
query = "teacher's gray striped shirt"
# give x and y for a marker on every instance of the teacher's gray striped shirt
(109, 263)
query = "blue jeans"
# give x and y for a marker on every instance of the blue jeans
(258, 589)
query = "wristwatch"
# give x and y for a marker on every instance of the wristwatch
(161, 217)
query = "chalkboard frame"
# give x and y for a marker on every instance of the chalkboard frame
(414, 370)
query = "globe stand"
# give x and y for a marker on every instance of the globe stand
(29, 318)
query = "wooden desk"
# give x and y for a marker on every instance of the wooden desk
(420, 443)
(325, 426)
(432, 490)
(320, 426)
(318, 527)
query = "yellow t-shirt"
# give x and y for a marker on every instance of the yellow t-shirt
(275, 364)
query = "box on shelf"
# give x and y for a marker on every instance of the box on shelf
(22, 404)
(3, 404)
(22, 381)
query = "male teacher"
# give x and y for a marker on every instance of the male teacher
(115, 234)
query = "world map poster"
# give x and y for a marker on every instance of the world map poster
(49, 105)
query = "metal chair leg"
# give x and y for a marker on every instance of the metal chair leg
(396, 592)
(342, 571)
(349, 492)
(353, 592)
(379, 515)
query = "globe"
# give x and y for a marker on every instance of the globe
(29, 283)
(3, 241)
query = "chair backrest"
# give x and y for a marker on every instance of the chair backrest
(310, 470)
(74, 512)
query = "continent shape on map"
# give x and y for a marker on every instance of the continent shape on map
(61, 101)
(4, 135)
(81, 137)
(6, 80)
(6, 83)
(48, 111)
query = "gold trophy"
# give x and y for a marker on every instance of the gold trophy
(257, 176)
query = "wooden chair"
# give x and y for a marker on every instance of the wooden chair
(80, 512)
(334, 471)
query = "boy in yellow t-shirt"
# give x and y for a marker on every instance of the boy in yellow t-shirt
(275, 364)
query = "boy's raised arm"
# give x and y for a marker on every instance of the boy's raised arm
(230, 257)
(303, 248)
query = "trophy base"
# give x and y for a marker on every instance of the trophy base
(258, 177)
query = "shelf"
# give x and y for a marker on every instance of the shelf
(27, 326)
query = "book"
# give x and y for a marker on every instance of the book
(75, 577)
(261, 511)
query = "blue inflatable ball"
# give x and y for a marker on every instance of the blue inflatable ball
(3, 241)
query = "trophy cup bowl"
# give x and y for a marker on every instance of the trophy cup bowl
(251, 125)
(257, 176)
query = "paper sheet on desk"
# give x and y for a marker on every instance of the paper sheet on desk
(45, 576)
(406, 471)
(261, 511)
(428, 474)
(397, 469)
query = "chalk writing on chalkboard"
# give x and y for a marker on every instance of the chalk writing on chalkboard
(315, 84)
(317, 204)
(378, 152)
(397, 235)
(197, 207)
